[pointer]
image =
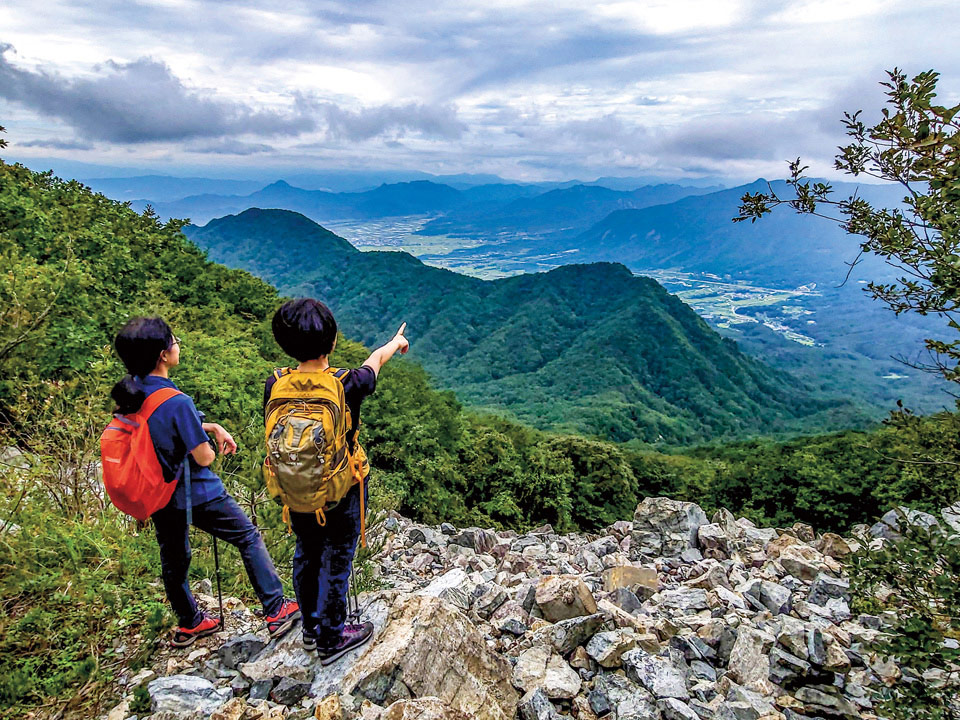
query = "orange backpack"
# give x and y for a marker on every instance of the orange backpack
(131, 471)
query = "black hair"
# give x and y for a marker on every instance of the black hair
(305, 329)
(138, 344)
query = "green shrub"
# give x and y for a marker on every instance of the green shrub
(915, 582)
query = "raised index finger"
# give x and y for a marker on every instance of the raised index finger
(402, 328)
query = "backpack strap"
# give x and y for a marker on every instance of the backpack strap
(155, 400)
(341, 375)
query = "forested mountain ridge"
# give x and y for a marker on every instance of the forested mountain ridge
(558, 212)
(587, 348)
(405, 198)
(696, 233)
(482, 209)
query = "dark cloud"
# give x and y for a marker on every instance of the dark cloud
(608, 130)
(140, 101)
(429, 121)
(731, 137)
(57, 144)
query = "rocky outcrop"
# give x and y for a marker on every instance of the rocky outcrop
(430, 648)
(669, 617)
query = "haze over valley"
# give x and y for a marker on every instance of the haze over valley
(779, 288)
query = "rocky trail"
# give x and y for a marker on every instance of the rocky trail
(672, 616)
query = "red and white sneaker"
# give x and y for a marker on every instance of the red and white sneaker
(187, 636)
(287, 615)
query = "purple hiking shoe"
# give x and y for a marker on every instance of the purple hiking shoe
(353, 636)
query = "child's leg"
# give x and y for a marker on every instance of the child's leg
(306, 567)
(171, 528)
(223, 518)
(342, 532)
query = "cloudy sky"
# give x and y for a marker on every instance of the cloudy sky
(528, 90)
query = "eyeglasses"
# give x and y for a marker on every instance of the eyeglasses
(176, 341)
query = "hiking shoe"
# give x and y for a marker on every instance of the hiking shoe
(353, 636)
(309, 642)
(286, 616)
(186, 636)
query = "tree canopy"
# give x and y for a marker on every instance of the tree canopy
(915, 144)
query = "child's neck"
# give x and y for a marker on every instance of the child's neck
(318, 365)
(161, 370)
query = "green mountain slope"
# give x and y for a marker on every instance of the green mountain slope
(697, 234)
(587, 348)
(79, 265)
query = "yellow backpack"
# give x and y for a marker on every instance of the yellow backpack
(309, 466)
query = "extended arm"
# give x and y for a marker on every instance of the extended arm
(378, 358)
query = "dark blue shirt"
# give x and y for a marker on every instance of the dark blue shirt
(176, 428)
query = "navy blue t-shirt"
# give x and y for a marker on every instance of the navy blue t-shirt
(357, 385)
(176, 428)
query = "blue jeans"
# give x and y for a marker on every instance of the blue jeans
(222, 518)
(321, 566)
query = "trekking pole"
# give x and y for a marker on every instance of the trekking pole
(355, 613)
(216, 560)
(216, 565)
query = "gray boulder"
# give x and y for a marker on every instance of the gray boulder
(673, 709)
(240, 649)
(786, 669)
(627, 700)
(826, 588)
(664, 527)
(951, 516)
(566, 635)
(535, 705)
(186, 693)
(891, 524)
(657, 673)
(289, 691)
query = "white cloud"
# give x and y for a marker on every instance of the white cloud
(506, 86)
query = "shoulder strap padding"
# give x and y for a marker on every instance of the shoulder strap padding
(156, 399)
(341, 373)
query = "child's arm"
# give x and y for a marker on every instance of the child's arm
(204, 454)
(225, 442)
(378, 358)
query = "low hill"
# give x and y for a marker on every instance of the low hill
(587, 348)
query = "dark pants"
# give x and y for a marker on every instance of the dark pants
(321, 567)
(222, 518)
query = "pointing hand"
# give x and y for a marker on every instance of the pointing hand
(402, 343)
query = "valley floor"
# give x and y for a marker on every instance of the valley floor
(834, 338)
